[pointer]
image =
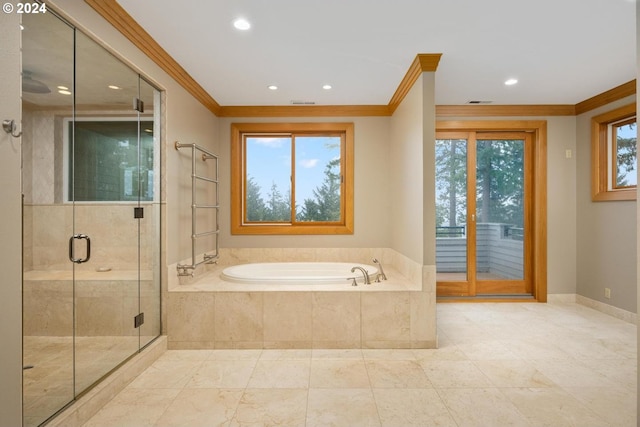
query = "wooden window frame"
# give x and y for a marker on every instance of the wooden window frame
(238, 179)
(602, 185)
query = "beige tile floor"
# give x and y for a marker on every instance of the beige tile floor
(498, 365)
(49, 385)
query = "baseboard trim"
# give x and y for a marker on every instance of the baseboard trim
(602, 307)
(616, 312)
(561, 298)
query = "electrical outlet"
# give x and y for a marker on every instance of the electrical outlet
(607, 293)
(568, 154)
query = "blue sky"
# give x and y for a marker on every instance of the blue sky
(269, 161)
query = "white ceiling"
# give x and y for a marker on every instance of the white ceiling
(561, 51)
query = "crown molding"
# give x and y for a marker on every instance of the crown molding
(424, 62)
(304, 111)
(504, 110)
(618, 92)
(123, 22)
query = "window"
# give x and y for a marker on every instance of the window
(614, 155)
(294, 178)
(104, 162)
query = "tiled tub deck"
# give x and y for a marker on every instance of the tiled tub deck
(208, 313)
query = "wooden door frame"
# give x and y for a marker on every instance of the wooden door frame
(538, 129)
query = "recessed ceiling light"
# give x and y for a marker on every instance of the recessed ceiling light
(326, 87)
(64, 92)
(273, 87)
(241, 24)
(114, 87)
(511, 82)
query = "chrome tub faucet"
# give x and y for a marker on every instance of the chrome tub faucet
(364, 274)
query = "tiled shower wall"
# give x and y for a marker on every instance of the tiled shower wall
(103, 299)
(111, 227)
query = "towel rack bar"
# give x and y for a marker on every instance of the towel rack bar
(207, 154)
(208, 259)
(206, 233)
(183, 269)
(205, 178)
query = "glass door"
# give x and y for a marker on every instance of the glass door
(47, 296)
(483, 211)
(103, 156)
(149, 217)
(91, 173)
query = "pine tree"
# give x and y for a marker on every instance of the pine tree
(451, 185)
(500, 181)
(256, 209)
(626, 158)
(278, 207)
(326, 203)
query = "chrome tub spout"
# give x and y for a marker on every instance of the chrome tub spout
(364, 274)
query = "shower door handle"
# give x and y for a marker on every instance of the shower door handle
(72, 247)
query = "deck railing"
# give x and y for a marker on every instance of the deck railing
(499, 250)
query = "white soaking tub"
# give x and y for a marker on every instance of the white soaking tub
(311, 273)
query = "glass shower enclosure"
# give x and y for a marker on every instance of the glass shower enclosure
(91, 214)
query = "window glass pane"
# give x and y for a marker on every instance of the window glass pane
(626, 154)
(500, 209)
(317, 179)
(451, 209)
(500, 182)
(268, 179)
(105, 161)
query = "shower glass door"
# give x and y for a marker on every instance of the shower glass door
(91, 163)
(48, 328)
(149, 202)
(103, 176)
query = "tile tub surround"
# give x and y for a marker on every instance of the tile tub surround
(206, 312)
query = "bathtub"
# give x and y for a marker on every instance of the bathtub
(299, 273)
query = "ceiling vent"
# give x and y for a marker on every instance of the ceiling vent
(479, 102)
(298, 102)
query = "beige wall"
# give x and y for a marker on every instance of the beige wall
(406, 175)
(10, 230)
(371, 188)
(429, 170)
(561, 205)
(606, 231)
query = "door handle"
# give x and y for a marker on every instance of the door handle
(72, 257)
